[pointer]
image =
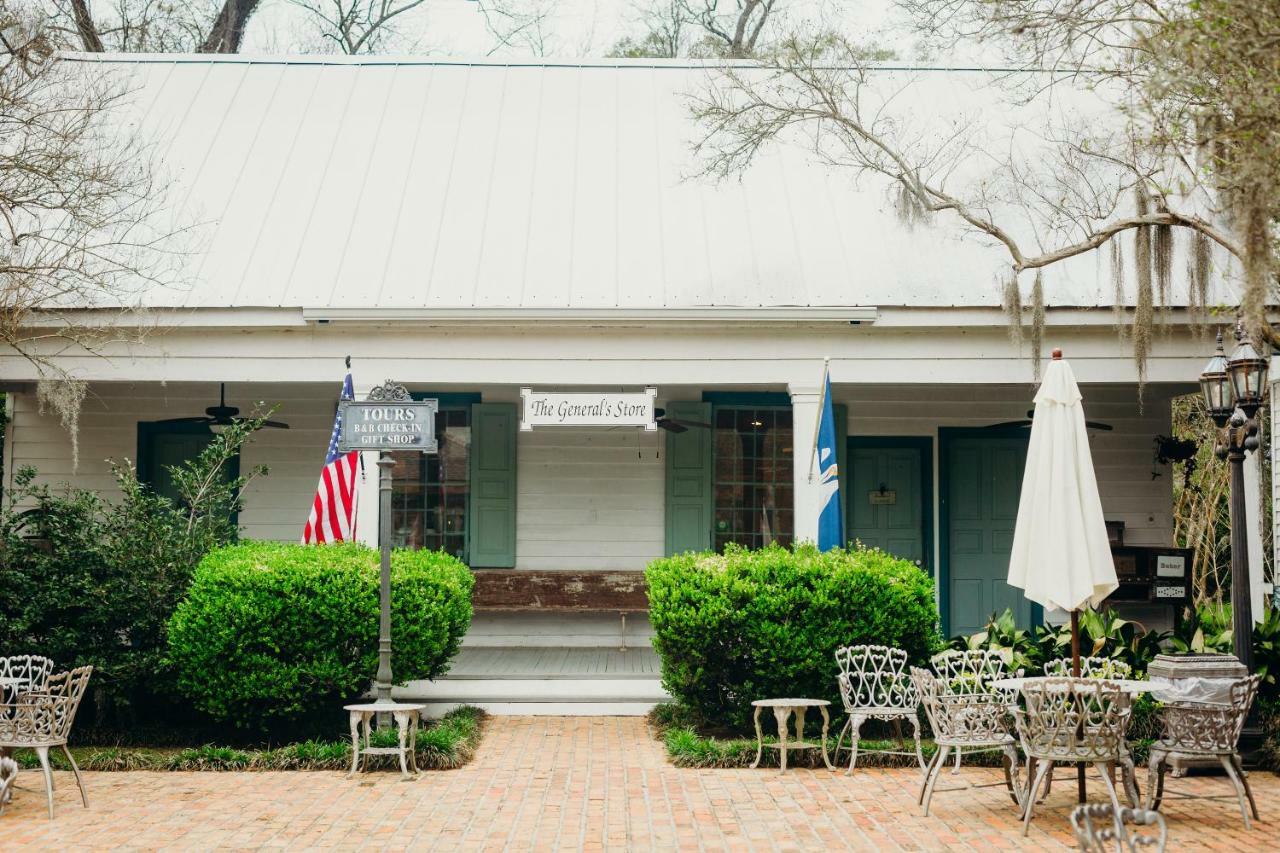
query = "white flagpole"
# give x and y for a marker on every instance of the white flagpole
(817, 425)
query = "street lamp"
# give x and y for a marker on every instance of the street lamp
(1233, 392)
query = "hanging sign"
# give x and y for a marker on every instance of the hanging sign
(389, 425)
(588, 408)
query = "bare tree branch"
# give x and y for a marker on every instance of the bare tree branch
(357, 26)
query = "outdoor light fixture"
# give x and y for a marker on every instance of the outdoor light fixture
(1248, 372)
(1233, 392)
(1215, 385)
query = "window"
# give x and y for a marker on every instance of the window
(165, 445)
(430, 491)
(752, 461)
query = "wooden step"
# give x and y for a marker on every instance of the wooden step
(517, 590)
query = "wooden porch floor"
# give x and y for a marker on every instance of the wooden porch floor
(554, 663)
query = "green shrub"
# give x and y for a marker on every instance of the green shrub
(86, 580)
(749, 625)
(273, 631)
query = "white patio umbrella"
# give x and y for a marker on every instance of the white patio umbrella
(1061, 557)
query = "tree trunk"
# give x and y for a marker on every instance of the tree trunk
(85, 27)
(228, 28)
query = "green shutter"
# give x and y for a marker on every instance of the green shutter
(689, 481)
(841, 413)
(492, 523)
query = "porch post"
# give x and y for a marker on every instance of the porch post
(807, 490)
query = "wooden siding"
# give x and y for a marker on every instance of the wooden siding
(1134, 489)
(589, 499)
(275, 506)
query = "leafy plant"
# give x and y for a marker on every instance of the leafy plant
(273, 632)
(1018, 647)
(85, 580)
(748, 624)
(1104, 634)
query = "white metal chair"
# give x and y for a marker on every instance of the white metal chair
(22, 673)
(1089, 668)
(1099, 828)
(1074, 721)
(8, 773)
(1200, 730)
(874, 684)
(973, 721)
(972, 671)
(42, 720)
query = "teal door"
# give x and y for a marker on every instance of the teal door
(886, 504)
(982, 480)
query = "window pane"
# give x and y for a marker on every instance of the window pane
(429, 492)
(753, 476)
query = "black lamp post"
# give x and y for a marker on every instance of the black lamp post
(1233, 392)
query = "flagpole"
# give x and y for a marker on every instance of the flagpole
(817, 425)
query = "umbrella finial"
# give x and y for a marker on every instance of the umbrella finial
(1057, 354)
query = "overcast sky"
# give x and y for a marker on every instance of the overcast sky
(575, 28)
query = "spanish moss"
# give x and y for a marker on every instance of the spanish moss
(1011, 302)
(64, 397)
(1199, 266)
(1144, 313)
(1117, 280)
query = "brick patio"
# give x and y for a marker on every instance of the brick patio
(585, 783)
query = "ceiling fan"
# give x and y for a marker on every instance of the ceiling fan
(676, 424)
(1098, 425)
(221, 415)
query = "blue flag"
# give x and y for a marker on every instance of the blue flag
(830, 519)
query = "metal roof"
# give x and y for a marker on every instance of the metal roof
(396, 184)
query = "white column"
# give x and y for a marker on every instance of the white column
(808, 492)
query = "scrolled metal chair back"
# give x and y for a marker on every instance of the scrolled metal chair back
(1090, 667)
(968, 670)
(1098, 828)
(874, 677)
(1202, 727)
(65, 690)
(30, 671)
(960, 718)
(1080, 719)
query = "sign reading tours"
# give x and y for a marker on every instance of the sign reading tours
(589, 408)
(389, 425)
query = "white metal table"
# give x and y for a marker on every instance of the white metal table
(406, 717)
(782, 711)
(1131, 686)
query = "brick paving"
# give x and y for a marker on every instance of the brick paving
(585, 783)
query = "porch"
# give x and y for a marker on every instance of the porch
(559, 523)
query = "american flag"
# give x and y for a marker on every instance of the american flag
(333, 512)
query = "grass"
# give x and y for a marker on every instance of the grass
(445, 744)
(689, 745)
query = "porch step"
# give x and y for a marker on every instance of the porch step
(548, 680)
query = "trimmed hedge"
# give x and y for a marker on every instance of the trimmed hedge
(751, 625)
(273, 632)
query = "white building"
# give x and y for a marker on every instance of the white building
(469, 229)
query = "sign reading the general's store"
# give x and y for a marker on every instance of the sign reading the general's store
(588, 408)
(389, 425)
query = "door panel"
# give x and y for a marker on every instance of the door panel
(885, 504)
(983, 482)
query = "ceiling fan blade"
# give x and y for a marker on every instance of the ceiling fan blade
(193, 419)
(1008, 425)
(275, 424)
(670, 425)
(684, 423)
(1099, 426)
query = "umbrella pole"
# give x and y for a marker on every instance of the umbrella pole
(1075, 673)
